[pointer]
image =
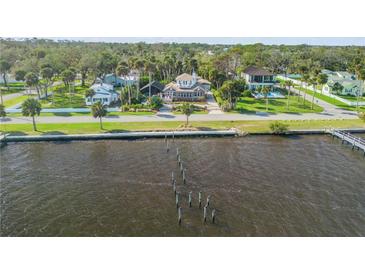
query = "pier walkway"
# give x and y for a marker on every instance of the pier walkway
(356, 142)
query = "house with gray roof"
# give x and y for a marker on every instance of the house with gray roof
(351, 86)
(120, 81)
(258, 77)
(186, 87)
(156, 88)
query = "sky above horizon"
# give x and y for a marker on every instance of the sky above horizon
(329, 41)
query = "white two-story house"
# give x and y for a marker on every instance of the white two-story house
(104, 93)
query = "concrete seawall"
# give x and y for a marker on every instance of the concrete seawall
(126, 135)
(159, 134)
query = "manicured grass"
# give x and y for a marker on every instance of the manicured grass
(61, 98)
(247, 104)
(352, 98)
(64, 100)
(13, 88)
(247, 126)
(15, 101)
(327, 99)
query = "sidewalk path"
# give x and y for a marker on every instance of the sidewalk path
(11, 96)
(213, 106)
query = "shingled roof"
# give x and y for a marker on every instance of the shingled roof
(252, 70)
(184, 77)
(155, 84)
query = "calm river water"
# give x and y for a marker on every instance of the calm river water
(259, 186)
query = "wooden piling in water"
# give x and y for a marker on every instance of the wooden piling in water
(177, 200)
(190, 193)
(213, 216)
(179, 215)
(200, 199)
(208, 200)
(183, 175)
(174, 187)
(205, 214)
(172, 177)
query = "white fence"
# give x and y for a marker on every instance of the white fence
(338, 98)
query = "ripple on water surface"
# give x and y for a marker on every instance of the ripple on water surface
(259, 186)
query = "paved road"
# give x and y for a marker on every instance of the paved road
(12, 95)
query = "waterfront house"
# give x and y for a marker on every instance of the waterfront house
(351, 86)
(256, 77)
(104, 93)
(186, 87)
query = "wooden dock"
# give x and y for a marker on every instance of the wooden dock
(355, 142)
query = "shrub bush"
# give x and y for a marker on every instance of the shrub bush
(247, 93)
(362, 116)
(279, 127)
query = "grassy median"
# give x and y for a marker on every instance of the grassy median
(246, 126)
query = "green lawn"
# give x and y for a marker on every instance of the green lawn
(352, 98)
(247, 104)
(247, 126)
(62, 99)
(16, 100)
(330, 100)
(13, 87)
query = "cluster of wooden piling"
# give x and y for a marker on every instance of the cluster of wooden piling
(190, 193)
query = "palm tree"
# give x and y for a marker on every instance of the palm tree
(89, 93)
(2, 111)
(187, 109)
(31, 79)
(68, 76)
(31, 107)
(150, 67)
(123, 70)
(360, 74)
(313, 83)
(99, 110)
(305, 79)
(265, 90)
(4, 69)
(288, 85)
(139, 66)
(47, 75)
(322, 79)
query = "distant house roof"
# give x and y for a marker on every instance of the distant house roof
(203, 81)
(184, 77)
(154, 84)
(174, 86)
(252, 70)
(103, 88)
